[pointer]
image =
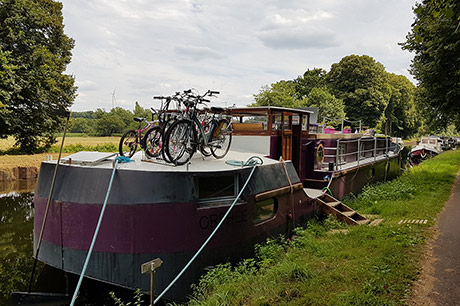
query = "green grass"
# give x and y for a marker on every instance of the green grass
(73, 143)
(367, 266)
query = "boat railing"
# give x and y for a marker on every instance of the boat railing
(322, 126)
(381, 146)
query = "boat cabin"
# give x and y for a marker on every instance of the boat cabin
(275, 132)
(316, 151)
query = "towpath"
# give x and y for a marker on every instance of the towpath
(439, 282)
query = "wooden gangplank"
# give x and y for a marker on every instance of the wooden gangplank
(331, 205)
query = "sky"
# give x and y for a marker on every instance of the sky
(128, 51)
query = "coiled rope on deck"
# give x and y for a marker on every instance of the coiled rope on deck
(254, 162)
(120, 159)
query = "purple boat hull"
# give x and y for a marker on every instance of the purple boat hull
(156, 215)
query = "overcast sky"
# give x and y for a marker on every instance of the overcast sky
(140, 48)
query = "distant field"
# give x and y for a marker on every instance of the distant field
(71, 139)
(73, 143)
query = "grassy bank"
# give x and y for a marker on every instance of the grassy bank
(364, 266)
(72, 144)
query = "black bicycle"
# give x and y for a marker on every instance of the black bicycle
(153, 139)
(185, 136)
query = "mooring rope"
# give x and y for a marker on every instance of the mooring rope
(254, 164)
(96, 231)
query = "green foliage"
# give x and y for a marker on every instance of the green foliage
(282, 94)
(328, 105)
(434, 41)
(142, 112)
(116, 121)
(356, 88)
(366, 266)
(315, 78)
(86, 115)
(401, 118)
(81, 125)
(362, 84)
(34, 54)
(137, 299)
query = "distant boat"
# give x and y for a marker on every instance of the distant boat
(156, 210)
(426, 148)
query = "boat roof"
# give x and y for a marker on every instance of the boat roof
(264, 110)
(139, 162)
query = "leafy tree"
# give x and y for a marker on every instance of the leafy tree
(116, 121)
(400, 116)
(87, 114)
(81, 125)
(282, 94)
(139, 111)
(34, 53)
(328, 105)
(361, 83)
(435, 40)
(314, 78)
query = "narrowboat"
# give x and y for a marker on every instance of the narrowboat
(157, 210)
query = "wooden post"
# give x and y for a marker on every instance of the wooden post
(150, 267)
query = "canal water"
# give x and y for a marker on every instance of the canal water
(16, 250)
(16, 226)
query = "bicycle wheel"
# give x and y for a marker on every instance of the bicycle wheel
(180, 142)
(152, 142)
(128, 144)
(207, 132)
(204, 149)
(221, 138)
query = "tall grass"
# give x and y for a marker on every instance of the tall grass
(366, 266)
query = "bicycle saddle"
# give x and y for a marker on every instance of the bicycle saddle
(216, 109)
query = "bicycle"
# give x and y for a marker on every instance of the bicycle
(153, 139)
(132, 138)
(187, 135)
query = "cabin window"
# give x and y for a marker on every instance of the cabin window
(276, 125)
(265, 210)
(212, 188)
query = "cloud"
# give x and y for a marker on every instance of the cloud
(297, 29)
(145, 48)
(86, 85)
(197, 52)
(298, 38)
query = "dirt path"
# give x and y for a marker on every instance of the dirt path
(439, 282)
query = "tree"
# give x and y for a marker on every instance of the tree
(328, 105)
(315, 78)
(435, 40)
(116, 121)
(34, 53)
(139, 111)
(361, 83)
(282, 94)
(400, 114)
